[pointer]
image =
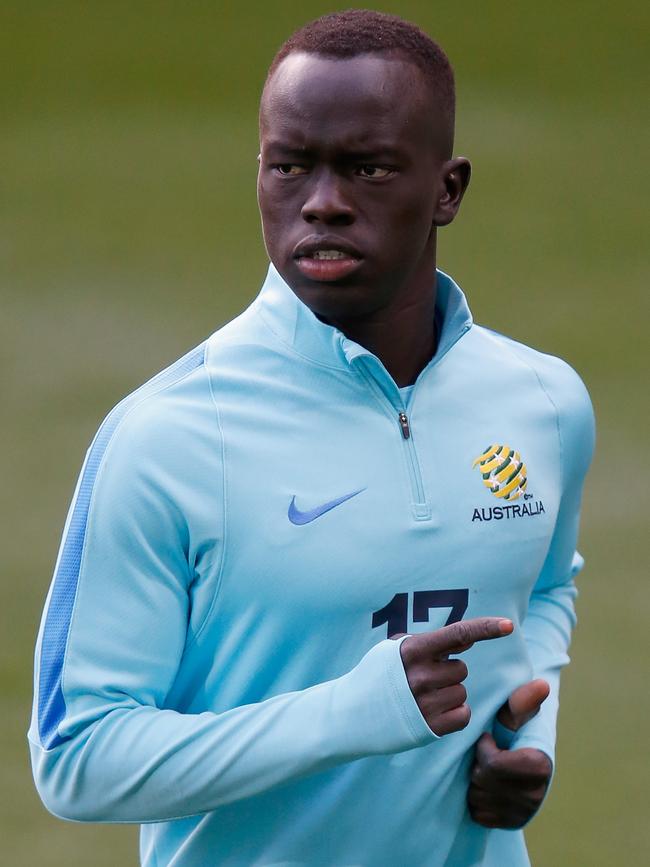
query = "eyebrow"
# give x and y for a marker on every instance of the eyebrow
(377, 150)
(279, 147)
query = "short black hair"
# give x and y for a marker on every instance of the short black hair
(364, 31)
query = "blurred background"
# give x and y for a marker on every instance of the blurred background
(129, 232)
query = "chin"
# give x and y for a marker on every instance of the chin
(333, 300)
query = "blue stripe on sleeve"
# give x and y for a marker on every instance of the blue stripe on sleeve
(51, 702)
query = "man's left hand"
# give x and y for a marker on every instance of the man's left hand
(508, 786)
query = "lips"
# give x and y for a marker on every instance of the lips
(326, 258)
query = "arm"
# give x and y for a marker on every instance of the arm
(551, 615)
(512, 772)
(104, 746)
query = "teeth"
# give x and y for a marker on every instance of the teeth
(329, 254)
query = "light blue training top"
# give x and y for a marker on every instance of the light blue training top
(248, 529)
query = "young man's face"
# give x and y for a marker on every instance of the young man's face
(351, 181)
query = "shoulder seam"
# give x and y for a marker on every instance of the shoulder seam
(224, 518)
(548, 397)
(100, 468)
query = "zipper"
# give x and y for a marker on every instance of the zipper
(421, 508)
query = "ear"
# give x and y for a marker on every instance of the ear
(454, 176)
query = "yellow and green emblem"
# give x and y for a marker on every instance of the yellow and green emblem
(503, 471)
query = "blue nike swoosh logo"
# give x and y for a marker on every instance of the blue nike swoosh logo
(299, 518)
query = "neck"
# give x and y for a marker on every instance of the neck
(402, 335)
(403, 340)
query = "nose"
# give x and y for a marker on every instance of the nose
(327, 202)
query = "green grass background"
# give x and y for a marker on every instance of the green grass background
(129, 231)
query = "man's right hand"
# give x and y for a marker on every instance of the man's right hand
(437, 681)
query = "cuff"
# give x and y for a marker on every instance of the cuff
(405, 699)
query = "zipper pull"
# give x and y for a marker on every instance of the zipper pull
(404, 424)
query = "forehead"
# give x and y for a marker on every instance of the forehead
(313, 99)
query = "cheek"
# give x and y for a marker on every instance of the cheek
(408, 209)
(417, 212)
(276, 211)
(410, 228)
(271, 220)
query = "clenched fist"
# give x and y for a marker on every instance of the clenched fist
(437, 681)
(507, 787)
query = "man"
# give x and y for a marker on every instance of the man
(350, 460)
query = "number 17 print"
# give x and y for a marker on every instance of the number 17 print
(395, 614)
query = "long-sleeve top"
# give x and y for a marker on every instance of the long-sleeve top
(248, 530)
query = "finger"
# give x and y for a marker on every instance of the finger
(511, 810)
(456, 650)
(499, 801)
(487, 820)
(448, 672)
(485, 755)
(484, 799)
(526, 767)
(459, 636)
(449, 697)
(426, 678)
(523, 704)
(452, 720)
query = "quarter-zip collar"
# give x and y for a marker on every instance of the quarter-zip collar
(295, 325)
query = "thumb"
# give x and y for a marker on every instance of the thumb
(523, 704)
(486, 747)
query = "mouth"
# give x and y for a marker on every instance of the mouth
(326, 259)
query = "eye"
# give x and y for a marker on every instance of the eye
(376, 172)
(288, 169)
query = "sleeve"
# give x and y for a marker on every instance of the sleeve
(104, 747)
(551, 615)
